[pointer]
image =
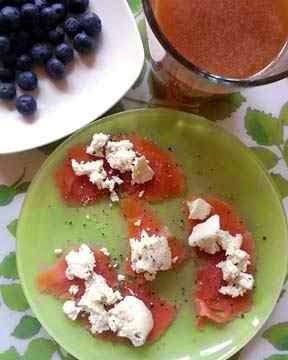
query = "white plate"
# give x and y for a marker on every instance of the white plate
(92, 85)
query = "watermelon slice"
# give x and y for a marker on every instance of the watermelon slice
(163, 312)
(139, 216)
(53, 281)
(168, 182)
(209, 303)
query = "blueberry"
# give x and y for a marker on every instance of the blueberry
(27, 81)
(55, 69)
(83, 43)
(7, 91)
(7, 75)
(78, 6)
(71, 26)
(56, 36)
(11, 17)
(91, 23)
(48, 17)
(26, 104)
(64, 52)
(41, 52)
(24, 62)
(4, 45)
(38, 34)
(59, 10)
(29, 14)
(20, 42)
(3, 27)
(9, 60)
(41, 4)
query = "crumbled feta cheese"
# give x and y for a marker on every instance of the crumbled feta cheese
(98, 176)
(199, 209)
(131, 319)
(150, 254)
(80, 263)
(244, 283)
(138, 222)
(105, 251)
(205, 235)
(241, 259)
(97, 144)
(141, 171)
(141, 194)
(230, 271)
(97, 291)
(73, 290)
(58, 252)
(228, 242)
(121, 277)
(71, 310)
(120, 155)
(98, 319)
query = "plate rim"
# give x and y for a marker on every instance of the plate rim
(162, 110)
(127, 88)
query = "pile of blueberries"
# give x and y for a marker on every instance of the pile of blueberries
(41, 32)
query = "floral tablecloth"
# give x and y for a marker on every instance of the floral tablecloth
(259, 117)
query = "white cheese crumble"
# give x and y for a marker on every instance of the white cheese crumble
(105, 251)
(138, 222)
(73, 290)
(80, 263)
(97, 145)
(228, 242)
(242, 284)
(121, 277)
(71, 310)
(98, 291)
(97, 176)
(131, 319)
(141, 171)
(120, 155)
(205, 235)
(58, 252)
(98, 319)
(199, 209)
(150, 254)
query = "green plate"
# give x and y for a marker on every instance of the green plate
(215, 163)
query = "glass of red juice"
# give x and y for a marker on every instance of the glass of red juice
(205, 47)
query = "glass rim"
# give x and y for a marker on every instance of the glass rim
(149, 14)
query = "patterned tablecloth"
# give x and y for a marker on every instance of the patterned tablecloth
(259, 117)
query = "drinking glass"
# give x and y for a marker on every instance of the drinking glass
(178, 78)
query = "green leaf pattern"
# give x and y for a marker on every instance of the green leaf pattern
(28, 327)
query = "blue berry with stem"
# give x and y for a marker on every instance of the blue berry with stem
(91, 24)
(59, 10)
(27, 81)
(7, 91)
(55, 69)
(64, 52)
(83, 43)
(71, 26)
(26, 104)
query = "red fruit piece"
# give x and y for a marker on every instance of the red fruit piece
(54, 282)
(136, 211)
(169, 179)
(76, 189)
(210, 304)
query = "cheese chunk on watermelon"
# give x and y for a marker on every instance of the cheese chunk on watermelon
(209, 303)
(140, 217)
